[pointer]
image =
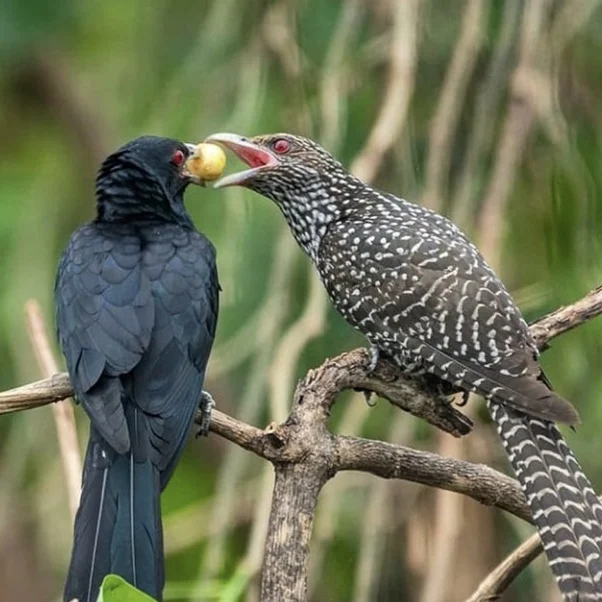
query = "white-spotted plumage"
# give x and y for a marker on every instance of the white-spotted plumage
(422, 294)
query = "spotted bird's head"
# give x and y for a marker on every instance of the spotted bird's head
(307, 183)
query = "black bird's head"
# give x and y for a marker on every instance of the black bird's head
(145, 178)
(308, 184)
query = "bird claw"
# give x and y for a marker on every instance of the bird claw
(465, 395)
(374, 357)
(206, 405)
(368, 398)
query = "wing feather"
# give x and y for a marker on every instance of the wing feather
(440, 302)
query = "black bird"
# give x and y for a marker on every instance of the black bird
(137, 301)
(423, 295)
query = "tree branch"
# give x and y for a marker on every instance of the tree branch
(480, 482)
(504, 574)
(566, 318)
(305, 454)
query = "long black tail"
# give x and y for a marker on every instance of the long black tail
(565, 508)
(118, 524)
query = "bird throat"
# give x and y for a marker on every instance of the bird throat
(309, 218)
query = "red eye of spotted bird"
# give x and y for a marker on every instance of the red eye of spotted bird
(178, 158)
(281, 146)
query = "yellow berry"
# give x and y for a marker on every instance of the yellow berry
(207, 162)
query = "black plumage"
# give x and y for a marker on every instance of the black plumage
(137, 302)
(420, 291)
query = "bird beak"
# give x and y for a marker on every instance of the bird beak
(191, 177)
(253, 154)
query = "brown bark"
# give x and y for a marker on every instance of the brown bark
(294, 500)
(305, 454)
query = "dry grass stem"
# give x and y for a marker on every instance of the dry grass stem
(253, 557)
(376, 520)
(451, 97)
(279, 35)
(503, 575)
(62, 411)
(518, 122)
(186, 527)
(235, 463)
(286, 357)
(571, 17)
(483, 127)
(447, 528)
(400, 86)
(333, 100)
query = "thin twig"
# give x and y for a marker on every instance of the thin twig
(452, 94)
(504, 574)
(488, 100)
(333, 101)
(392, 115)
(64, 419)
(278, 32)
(516, 130)
(566, 318)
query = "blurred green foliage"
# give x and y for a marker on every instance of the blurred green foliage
(79, 79)
(116, 589)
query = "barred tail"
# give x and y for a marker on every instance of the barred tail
(565, 508)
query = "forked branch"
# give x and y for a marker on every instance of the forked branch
(305, 454)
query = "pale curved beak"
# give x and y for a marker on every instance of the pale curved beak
(193, 178)
(254, 155)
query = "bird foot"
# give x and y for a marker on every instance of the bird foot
(368, 397)
(374, 357)
(462, 402)
(206, 405)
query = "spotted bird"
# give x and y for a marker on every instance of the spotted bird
(422, 294)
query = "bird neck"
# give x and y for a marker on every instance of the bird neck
(316, 207)
(126, 196)
(309, 224)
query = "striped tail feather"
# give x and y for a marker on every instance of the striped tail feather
(565, 508)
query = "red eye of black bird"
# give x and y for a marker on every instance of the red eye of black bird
(281, 146)
(178, 158)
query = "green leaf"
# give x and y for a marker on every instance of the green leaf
(116, 589)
